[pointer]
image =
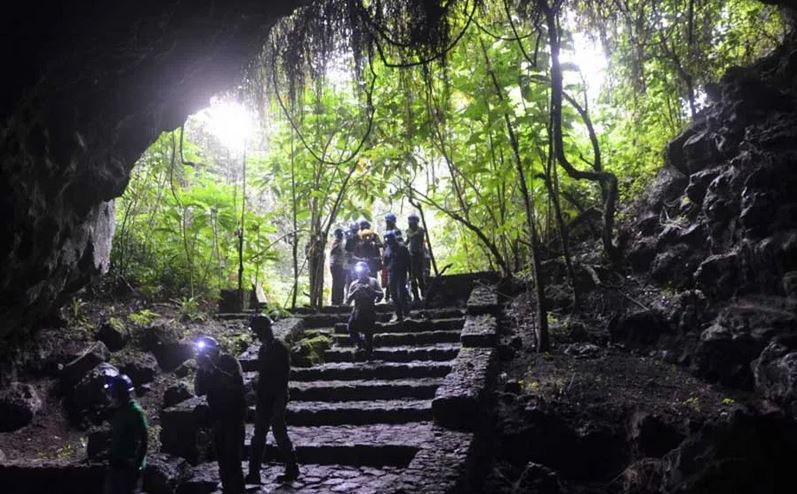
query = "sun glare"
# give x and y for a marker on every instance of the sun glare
(229, 121)
(591, 61)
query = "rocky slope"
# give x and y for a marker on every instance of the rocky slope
(718, 230)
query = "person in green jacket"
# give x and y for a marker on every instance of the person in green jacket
(128, 438)
(273, 366)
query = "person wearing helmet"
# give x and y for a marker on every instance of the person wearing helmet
(416, 242)
(337, 268)
(365, 293)
(128, 437)
(369, 248)
(390, 226)
(398, 264)
(219, 376)
(273, 367)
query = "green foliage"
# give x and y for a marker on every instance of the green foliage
(189, 309)
(143, 317)
(365, 138)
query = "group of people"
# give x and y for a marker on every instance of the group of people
(401, 265)
(357, 256)
(219, 376)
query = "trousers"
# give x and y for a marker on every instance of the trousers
(228, 442)
(270, 414)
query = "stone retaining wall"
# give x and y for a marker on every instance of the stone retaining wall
(480, 331)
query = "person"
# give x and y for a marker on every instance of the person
(219, 376)
(416, 242)
(390, 226)
(337, 261)
(128, 448)
(398, 265)
(369, 247)
(273, 367)
(351, 247)
(364, 292)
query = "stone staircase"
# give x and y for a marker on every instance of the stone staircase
(381, 425)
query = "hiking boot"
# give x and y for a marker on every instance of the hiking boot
(291, 473)
(253, 478)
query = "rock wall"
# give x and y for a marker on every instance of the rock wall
(719, 229)
(87, 86)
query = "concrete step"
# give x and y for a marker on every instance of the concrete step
(314, 479)
(372, 444)
(358, 412)
(346, 371)
(359, 390)
(438, 352)
(404, 339)
(411, 325)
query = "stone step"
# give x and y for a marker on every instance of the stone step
(314, 479)
(372, 444)
(347, 371)
(358, 412)
(438, 352)
(329, 320)
(404, 339)
(359, 390)
(411, 325)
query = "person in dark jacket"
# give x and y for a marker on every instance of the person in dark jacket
(351, 246)
(219, 376)
(337, 266)
(390, 226)
(128, 438)
(365, 293)
(273, 367)
(416, 242)
(398, 266)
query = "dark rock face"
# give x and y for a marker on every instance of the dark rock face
(719, 227)
(176, 393)
(18, 404)
(86, 89)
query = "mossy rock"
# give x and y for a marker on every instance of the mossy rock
(310, 350)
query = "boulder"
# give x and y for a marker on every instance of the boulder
(176, 393)
(745, 453)
(164, 339)
(718, 275)
(723, 355)
(19, 403)
(650, 436)
(539, 479)
(775, 373)
(790, 284)
(642, 253)
(164, 473)
(674, 266)
(185, 369)
(699, 151)
(644, 477)
(74, 371)
(140, 368)
(113, 333)
(639, 328)
(698, 184)
(675, 156)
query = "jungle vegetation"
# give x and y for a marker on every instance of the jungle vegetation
(508, 123)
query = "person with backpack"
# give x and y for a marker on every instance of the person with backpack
(369, 249)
